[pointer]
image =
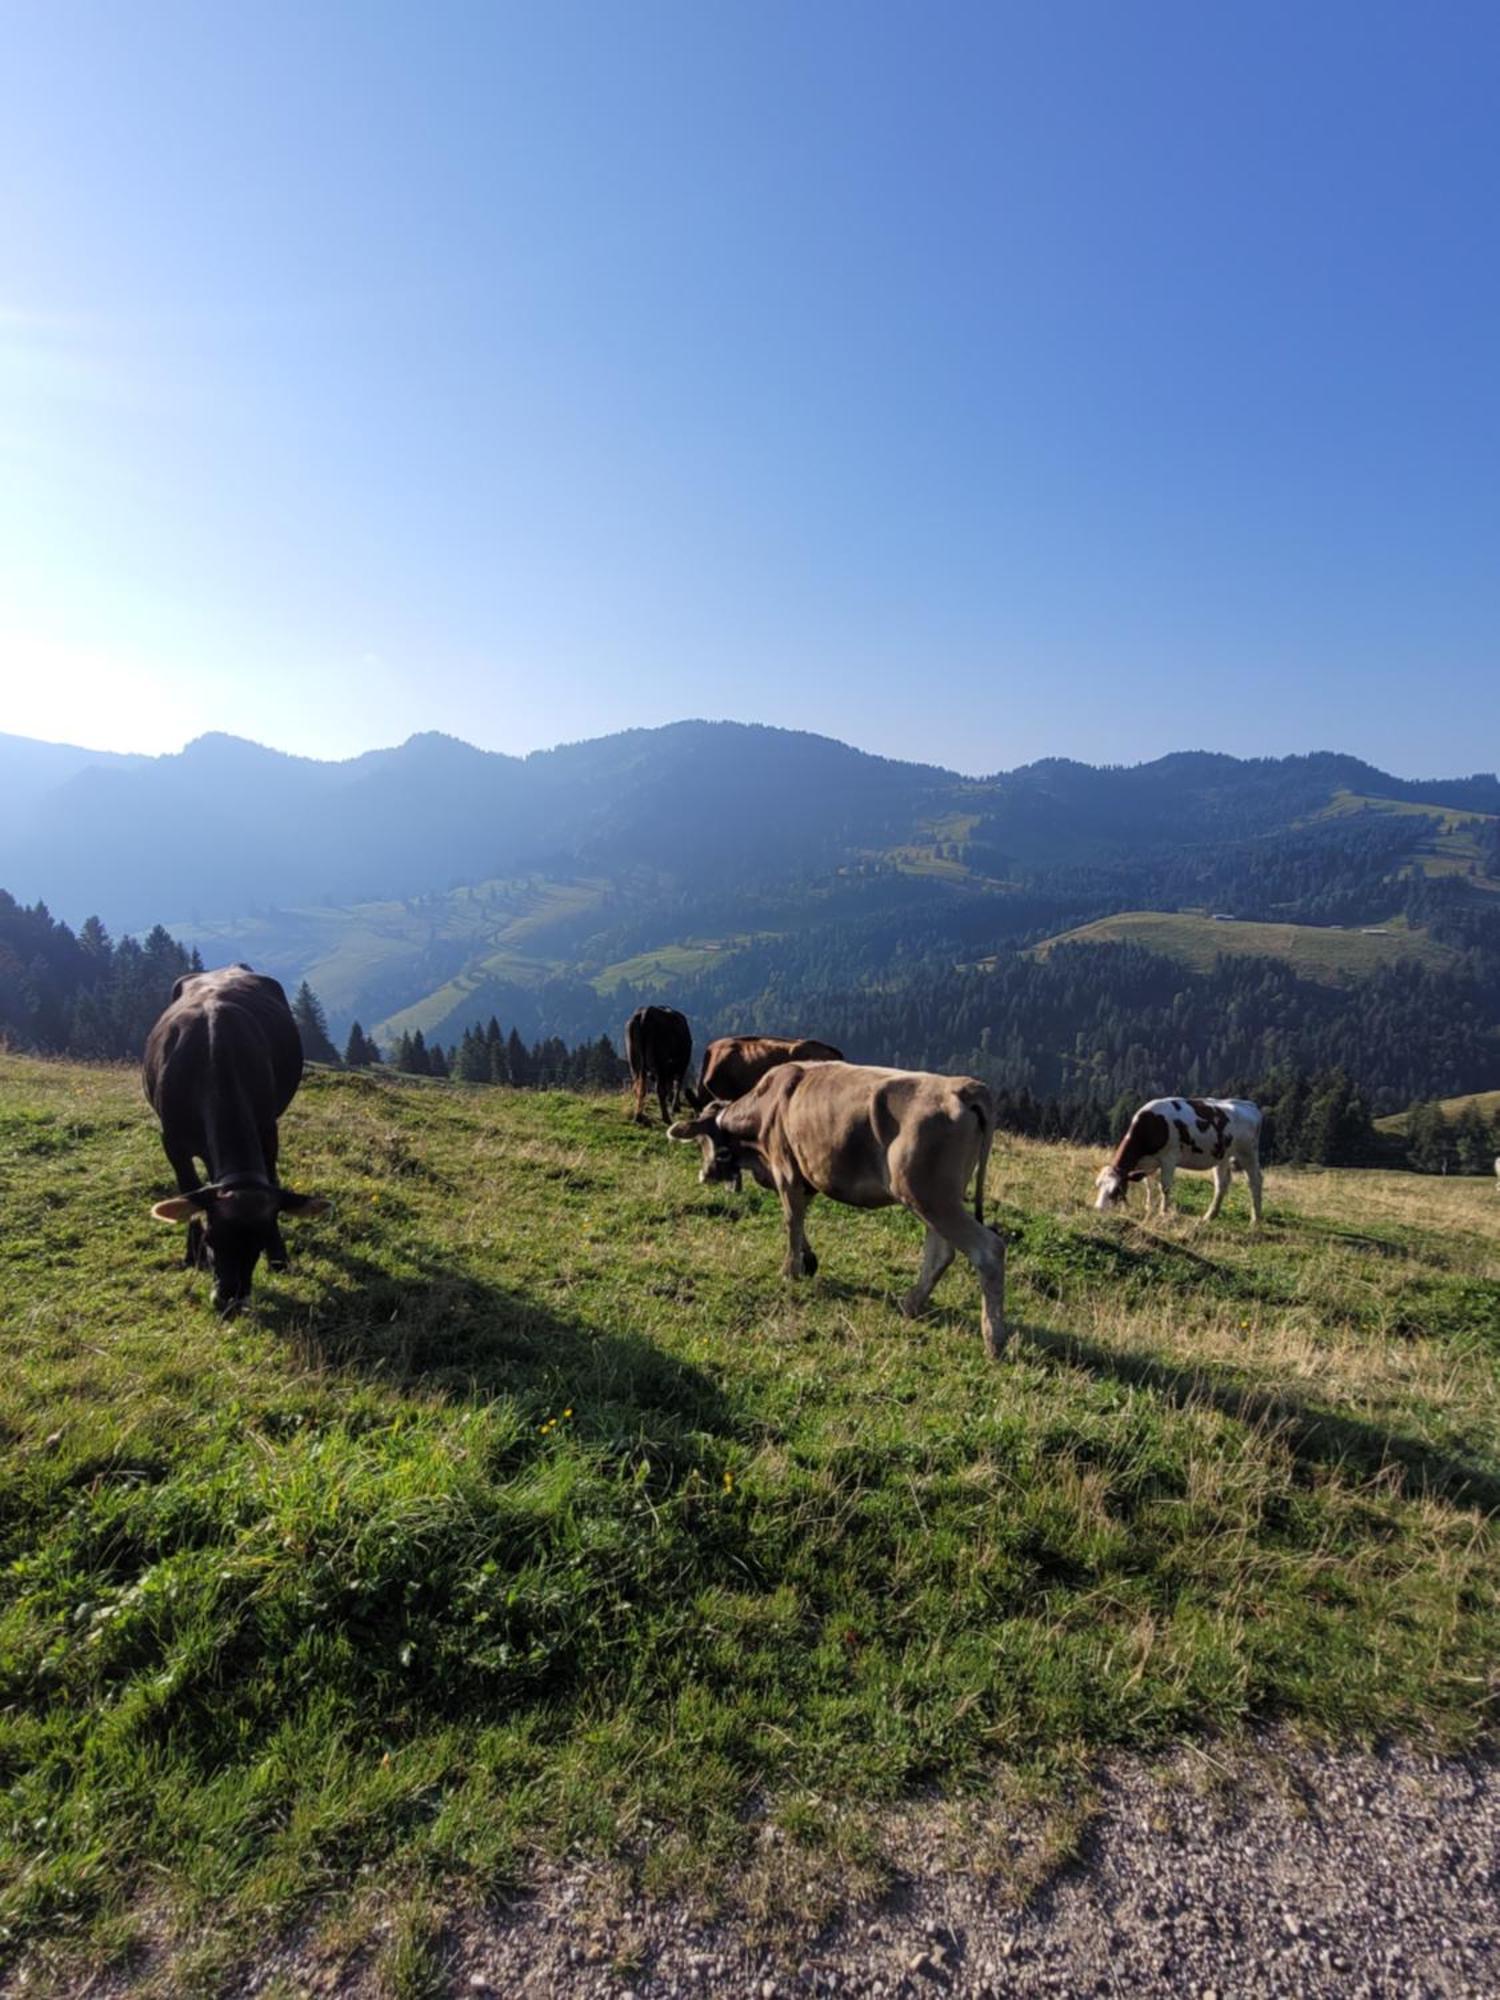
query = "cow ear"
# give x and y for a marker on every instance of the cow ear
(302, 1204)
(181, 1207)
(689, 1128)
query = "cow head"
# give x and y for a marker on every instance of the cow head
(230, 1228)
(722, 1158)
(1113, 1186)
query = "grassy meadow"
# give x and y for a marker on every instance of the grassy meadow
(1332, 956)
(1487, 1103)
(533, 1514)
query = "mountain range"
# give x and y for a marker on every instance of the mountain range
(433, 883)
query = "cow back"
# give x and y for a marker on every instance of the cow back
(734, 1064)
(231, 1028)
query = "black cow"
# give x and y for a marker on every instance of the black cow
(222, 1064)
(659, 1043)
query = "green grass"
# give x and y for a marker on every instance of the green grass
(532, 1513)
(1488, 1102)
(1314, 951)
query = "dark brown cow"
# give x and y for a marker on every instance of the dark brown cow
(222, 1064)
(659, 1043)
(868, 1138)
(734, 1064)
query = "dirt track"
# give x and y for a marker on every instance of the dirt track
(1292, 1873)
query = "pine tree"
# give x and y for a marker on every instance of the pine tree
(357, 1052)
(472, 1062)
(1427, 1139)
(312, 1025)
(517, 1062)
(602, 1066)
(1471, 1137)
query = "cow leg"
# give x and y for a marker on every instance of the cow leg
(185, 1173)
(800, 1260)
(664, 1097)
(1253, 1176)
(984, 1247)
(1223, 1171)
(1164, 1188)
(937, 1254)
(639, 1081)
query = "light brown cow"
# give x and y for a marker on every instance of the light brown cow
(868, 1138)
(736, 1063)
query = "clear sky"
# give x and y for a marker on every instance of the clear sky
(973, 383)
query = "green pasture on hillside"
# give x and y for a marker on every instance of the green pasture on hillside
(1487, 1102)
(534, 1514)
(1315, 951)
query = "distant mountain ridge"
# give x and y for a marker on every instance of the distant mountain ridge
(766, 878)
(227, 827)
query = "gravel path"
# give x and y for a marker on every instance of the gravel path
(1282, 1872)
(1293, 1873)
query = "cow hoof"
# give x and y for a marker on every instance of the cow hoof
(913, 1306)
(809, 1264)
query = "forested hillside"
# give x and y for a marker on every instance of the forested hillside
(1052, 928)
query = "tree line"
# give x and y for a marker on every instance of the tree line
(488, 1055)
(1071, 1043)
(93, 997)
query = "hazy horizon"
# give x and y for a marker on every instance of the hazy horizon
(1454, 770)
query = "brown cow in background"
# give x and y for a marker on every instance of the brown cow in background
(734, 1064)
(659, 1044)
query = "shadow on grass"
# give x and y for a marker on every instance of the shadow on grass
(441, 1332)
(1313, 1436)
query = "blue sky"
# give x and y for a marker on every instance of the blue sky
(971, 383)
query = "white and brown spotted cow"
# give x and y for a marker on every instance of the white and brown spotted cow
(869, 1138)
(1201, 1134)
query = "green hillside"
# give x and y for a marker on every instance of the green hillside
(533, 1513)
(1488, 1102)
(1316, 951)
(1448, 844)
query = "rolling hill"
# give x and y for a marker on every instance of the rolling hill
(748, 870)
(1486, 1101)
(1326, 952)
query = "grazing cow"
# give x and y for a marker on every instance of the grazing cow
(868, 1138)
(659, 1043)
(1203, 1134)
(222, 1064)
(734, 1064)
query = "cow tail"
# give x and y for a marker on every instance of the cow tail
(984, 1110)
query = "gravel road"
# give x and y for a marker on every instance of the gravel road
(1291, 1872)
(1277, 1871)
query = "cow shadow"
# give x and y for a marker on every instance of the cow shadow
(444, 1333)
(1314, 1436)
